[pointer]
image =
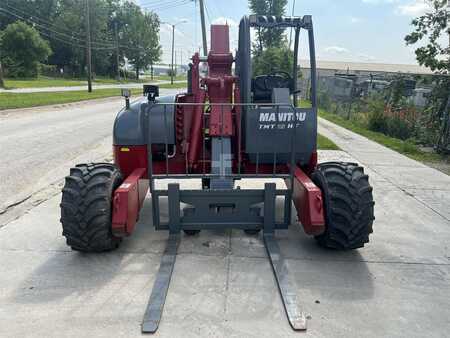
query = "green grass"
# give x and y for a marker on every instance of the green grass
(173, 86)
(167, 78)
(43, 81)
(25, 100)
(108, 80)
(404, 147)
(325, 144)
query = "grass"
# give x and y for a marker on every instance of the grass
(43, 81)
(404, 147)
(25, 100)
(167, 77)
(324, 143)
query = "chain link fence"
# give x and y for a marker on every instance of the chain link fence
(404, 106)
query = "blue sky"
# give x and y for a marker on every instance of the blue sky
(346, 30)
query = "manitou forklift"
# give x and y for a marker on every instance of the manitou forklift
(226, 127)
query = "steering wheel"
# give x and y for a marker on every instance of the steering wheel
(278, 79)
(263, 85)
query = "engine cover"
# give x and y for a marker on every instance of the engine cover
(132, 128)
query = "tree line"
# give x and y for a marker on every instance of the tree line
(53, 32)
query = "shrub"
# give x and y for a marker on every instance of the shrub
(377, 121)
(398, 128)
(49, 70)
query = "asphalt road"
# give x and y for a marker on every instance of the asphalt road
(223, 286)
(39, 145)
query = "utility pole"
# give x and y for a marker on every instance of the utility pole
(202, 18)
(2, 83)
(88, 48)
(181, 57)
(117, 50)
(175, 67)
(173, 45)
(290, 34)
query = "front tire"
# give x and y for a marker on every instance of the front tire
(349, 205)
(86, 207)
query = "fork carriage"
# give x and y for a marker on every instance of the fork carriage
(225, 128)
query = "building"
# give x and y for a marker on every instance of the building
(330, 68)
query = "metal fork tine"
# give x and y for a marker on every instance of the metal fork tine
(155, 306)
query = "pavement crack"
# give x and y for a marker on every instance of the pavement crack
(330, 126)
(230, 255)
(15, 204)
(406, 192)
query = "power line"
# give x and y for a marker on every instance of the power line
(207, 12)
(101, 44)
(33, 16)
(156, 3)
(33, 19)
(215, 8)
(71, 40)
(168, 5)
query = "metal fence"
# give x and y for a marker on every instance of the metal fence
(416, 104)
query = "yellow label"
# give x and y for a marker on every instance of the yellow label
(124, 149)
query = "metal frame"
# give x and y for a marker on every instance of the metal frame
(153, 313)
(242, 197)
(230, 208)
(218, 209)
(240, 211)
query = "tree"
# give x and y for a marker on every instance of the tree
(25, 9)
(141, 34)
(62, 23)
(22, 50)
(433, 29)
(271, 52)
(269, 38)
(272, 60)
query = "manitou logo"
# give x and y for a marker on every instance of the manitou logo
(282, 117)
(280, 120)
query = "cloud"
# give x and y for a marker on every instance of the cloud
(376, 2)
(366, 57)
(337, 50)
(415, 8)
(224, 21)
(355, 19)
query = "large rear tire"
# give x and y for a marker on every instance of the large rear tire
(86, 207)
(349, 205)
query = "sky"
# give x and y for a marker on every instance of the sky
(345, 30)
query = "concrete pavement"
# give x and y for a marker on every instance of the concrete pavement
(427, 185)
(223, 286)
